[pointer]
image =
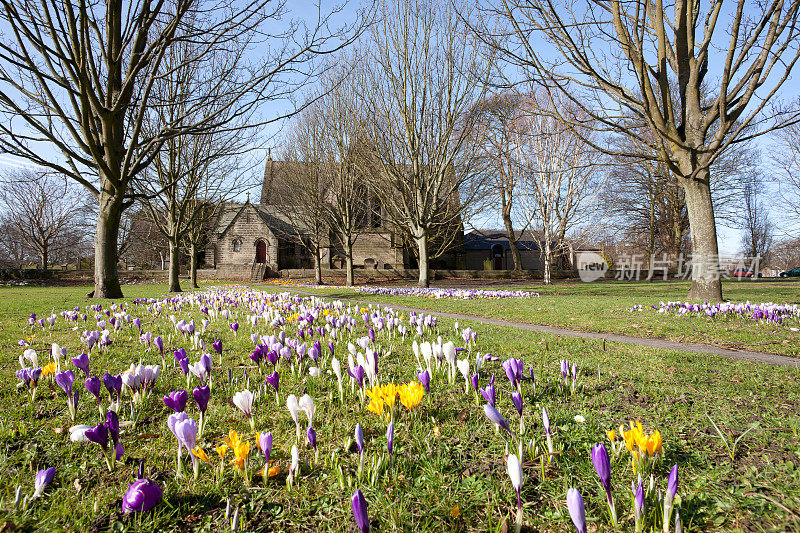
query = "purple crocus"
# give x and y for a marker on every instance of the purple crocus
(489, 393)
(112, 423)
(360, 511)
(475, 380)
(516, 398)
(159, 342)
(274, 379)
(141, 496)
(576, 509)
(112, 384)
(235, 327)
(201, 397)
(176, 400)
(217, 345)
(43, 479)
(390, 437)
(669, 497)
(513, 368)
(495, 416)
(602, 465)
(265, 444)
(311, 435)
(98, 435)
(93, 385)
(82, 362)
(424, 377)
(65, 380)
(638, 506)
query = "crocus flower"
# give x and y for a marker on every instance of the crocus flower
(424, 377)
(602, 466)
(311, 435)
(141, 496)
(359, 439)
(489, 393)
(98, 434)
(265, 445)
(112, 423)
(159, 342)
(638, 508)
(217, 345)
(65, 380)
(294, 408)
(576, 509)
(495, 416)
(669, 497)
(390, 437)
(516, 399)
(176, 400)
(113, 384)
(307, 405)
(244, 401)
(43, 479)
(546, 424)
(515, 473)
(82, 362)
(201, 396)
(360, 511)
(93, 385)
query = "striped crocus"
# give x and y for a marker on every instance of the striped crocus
(495, 416)
(602, 466)
(424, 377)
(546, 424)
(489, 393)
(669, 497)
(43, 479)
(576, 509)
(265, 445)
(390, 437)
(360, 511)
(638, 509)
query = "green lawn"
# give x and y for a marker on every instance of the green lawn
(448, 471)
(605, 307)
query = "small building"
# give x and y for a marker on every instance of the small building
(491, 250)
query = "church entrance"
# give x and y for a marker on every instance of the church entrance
(261, 251)
(497, 254)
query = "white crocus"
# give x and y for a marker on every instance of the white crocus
(463, 367)
(244, 401)
(294, 408)
(306, 403)
(515, 473)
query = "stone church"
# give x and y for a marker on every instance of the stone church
(257, 240)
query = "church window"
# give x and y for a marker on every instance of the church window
(237, 245)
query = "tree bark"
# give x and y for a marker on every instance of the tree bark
(547, 261)
(706, 283)
(512, 242)
(317, 266)
(348, 265)
(44, 258)
(106, 276)
(193, 266)
(422, 251)
(174, 267)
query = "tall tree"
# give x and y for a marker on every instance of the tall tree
(423, 76)
(47, 215)
(563, 175)
(755, 224)
(617, 58)
(498, 128)
(77, 77)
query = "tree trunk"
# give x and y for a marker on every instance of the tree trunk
(174, 266)
(347, 243)
(512, 242)
(193, 266)
(422, 250)
(43, 256)
(317, 266)
(547, 261)
(106, 276)
(706, 283)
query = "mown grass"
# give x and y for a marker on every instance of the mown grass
(604, 306)
(448, 472)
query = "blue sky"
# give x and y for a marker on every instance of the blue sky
(729, 238)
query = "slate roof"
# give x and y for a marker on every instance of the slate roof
(486, 239)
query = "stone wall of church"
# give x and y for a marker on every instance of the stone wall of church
(246, 231)
(378, 248)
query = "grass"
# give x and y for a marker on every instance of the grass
(604, 306)
(448, 472)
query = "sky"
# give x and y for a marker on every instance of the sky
(729, 238)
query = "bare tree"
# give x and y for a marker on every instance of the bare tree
(563, 175)
(13, 252)
(201, 168)
(78, 77)
(47, 214)
(422, 78)
(786, 160)
(755, 225)
(498, 136)
(785, 254)
(303, 193)
(615, 58)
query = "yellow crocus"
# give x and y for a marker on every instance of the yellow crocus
(411, 394)
(612, 435)
(222, 449)
(49, 368)
(200, 453)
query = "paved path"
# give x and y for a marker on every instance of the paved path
(692, 347)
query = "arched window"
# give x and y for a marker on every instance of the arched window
(237, 244)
